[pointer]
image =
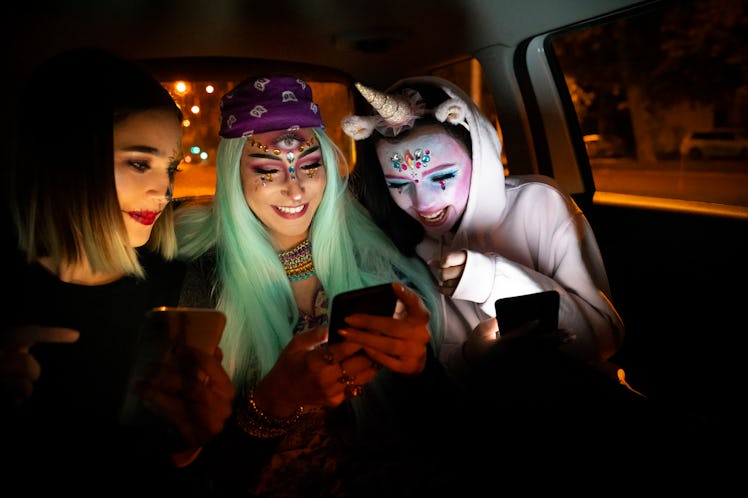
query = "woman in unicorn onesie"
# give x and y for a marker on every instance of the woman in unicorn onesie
(430, 173)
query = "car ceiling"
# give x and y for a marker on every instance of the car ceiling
(371, 41)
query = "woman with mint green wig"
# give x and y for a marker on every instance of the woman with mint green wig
(280, 239)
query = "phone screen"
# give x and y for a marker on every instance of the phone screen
(199, 328)
(375, 300)
(513, 312)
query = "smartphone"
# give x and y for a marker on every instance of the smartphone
(375, 300)
(200, 328)
(513, 312)
(163, 328)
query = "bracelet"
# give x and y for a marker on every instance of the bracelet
(258, 424)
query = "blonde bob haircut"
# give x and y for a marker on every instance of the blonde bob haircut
(64, 198)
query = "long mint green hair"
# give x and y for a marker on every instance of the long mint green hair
(348, 249)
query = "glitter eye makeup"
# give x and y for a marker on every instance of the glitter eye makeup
(285, 141)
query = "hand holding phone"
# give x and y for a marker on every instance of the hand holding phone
(163, 329)
(513, 312)
(375, 300)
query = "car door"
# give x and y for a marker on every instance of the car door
(672, 233)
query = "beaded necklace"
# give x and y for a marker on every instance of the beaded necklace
(297, 261)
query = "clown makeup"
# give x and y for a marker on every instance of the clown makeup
(283, 180)
(428, 174)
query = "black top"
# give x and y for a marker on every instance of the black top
(67, 436)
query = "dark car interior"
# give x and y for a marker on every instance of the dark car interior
(676, 261)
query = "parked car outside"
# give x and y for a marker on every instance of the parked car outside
(716, 143)
(599, 145)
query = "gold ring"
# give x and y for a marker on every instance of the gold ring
(327, 356)
(352, 390)
(346, 379)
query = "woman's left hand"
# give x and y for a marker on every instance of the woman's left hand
(191, 392)
(398, 343)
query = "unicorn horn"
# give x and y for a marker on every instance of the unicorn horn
(395, 109)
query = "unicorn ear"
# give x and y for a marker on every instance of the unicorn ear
(452, 111)
(359, 127)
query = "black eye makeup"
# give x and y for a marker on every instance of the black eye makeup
(139, 165)
(394, 184)
(443, 176)
(264, 171)
(312, 166)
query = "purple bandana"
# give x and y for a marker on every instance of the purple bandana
(262, 104)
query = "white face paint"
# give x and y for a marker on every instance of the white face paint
(428, 174)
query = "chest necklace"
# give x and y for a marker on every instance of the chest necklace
(297, 261)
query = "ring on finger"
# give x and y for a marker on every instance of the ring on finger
(352, 390)
(327, 356)
(345, 377)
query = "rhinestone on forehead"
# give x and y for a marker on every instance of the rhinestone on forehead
(290, 156)
(411, 162)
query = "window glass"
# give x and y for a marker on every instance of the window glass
(662, 100)
(200, 104)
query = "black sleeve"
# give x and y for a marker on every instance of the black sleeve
(229, 465)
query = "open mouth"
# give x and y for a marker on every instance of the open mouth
(291, 211)
(433, 219)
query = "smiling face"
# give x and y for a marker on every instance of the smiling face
(283, 182)
(147, 152)
(428, 174)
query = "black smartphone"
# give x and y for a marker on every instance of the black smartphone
(200, 328)
(513, 312)
(375, 300)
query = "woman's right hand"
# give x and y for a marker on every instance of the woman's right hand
(399, 343)
(311, 372)
(18, 367)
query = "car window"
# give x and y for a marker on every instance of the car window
(669, 87)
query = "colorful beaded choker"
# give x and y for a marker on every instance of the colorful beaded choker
(297, 261)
